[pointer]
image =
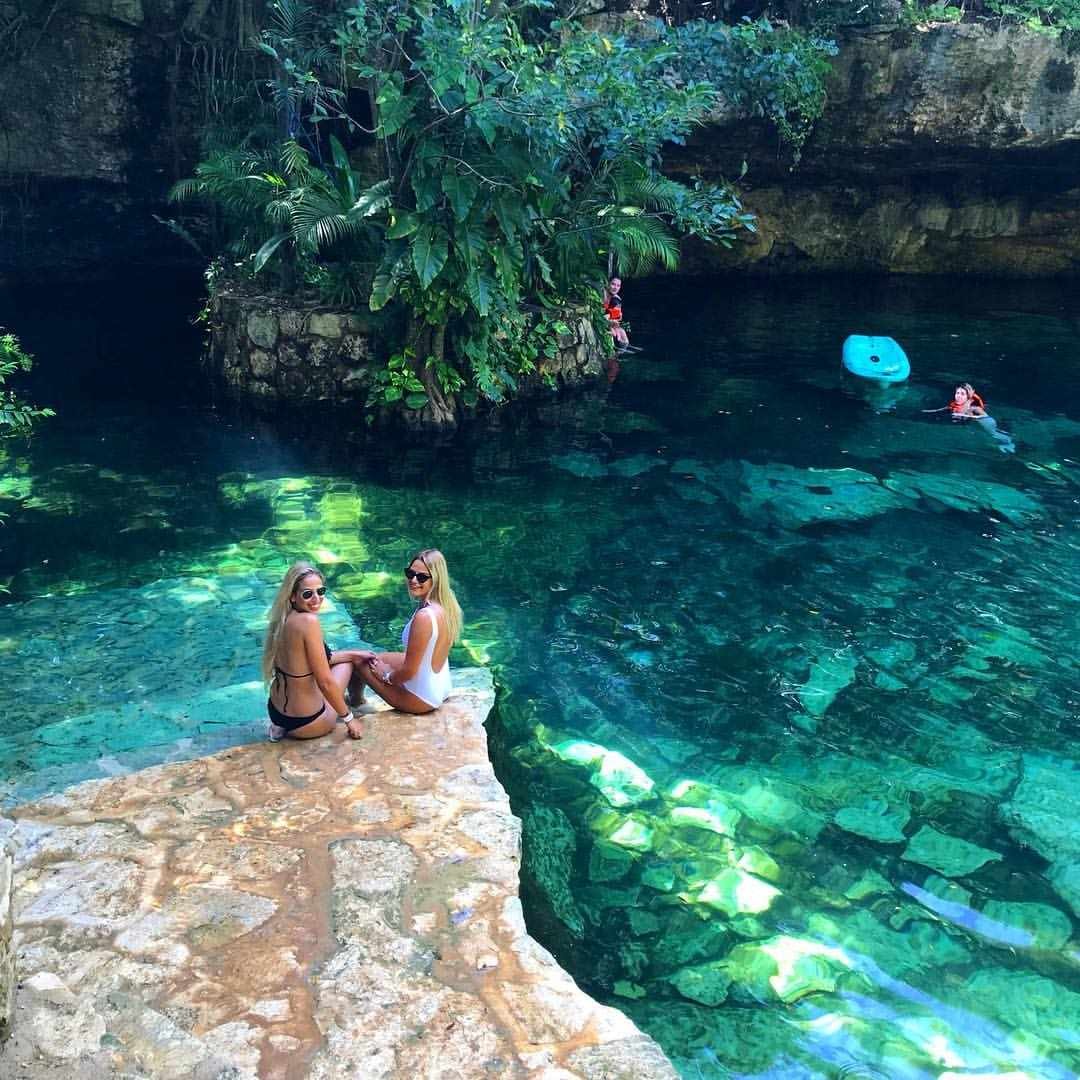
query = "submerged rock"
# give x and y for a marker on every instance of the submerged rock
(735, 892)
(614, 775)
(550, 843)
(829, 674)
(786, 968)
(1041, 815)
(966, 494)
(949, 855)
(793, 498)
(875, 820)
(706, 983)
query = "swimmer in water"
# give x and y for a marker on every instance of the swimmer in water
(967, 405)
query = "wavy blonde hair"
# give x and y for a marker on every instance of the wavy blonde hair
(279, 612)
(441, 592)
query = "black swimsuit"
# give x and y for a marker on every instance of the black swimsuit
(284, 720)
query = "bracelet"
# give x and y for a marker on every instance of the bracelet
(345, 716)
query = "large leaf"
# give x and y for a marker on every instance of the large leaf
(481, 288)
(405, 223)
(427, 188)
(471, 243)
(341, 158)
(346, 176)
(461, 191)
(510, 262)
(373, 200)
(387, 277)
(395, 107)
(430, 247)
(268, 249)
(510, 215)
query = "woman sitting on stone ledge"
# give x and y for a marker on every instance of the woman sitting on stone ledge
(307, 679)
(418, 680)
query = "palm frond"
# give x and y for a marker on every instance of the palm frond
(295, 160)
(640, 242)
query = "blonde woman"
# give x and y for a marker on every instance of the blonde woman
(418, 680)
(307, 680)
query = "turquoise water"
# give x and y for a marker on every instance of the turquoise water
(790, 688)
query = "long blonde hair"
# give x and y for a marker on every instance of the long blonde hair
(279, 612)
(441, 592)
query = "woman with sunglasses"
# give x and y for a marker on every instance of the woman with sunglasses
(418, 680)
(307, 679)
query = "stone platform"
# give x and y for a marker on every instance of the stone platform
(303, 909)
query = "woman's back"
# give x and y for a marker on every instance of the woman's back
(294, 682)
(440, 633)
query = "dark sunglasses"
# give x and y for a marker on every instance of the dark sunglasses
(417, 575)
(307, 594)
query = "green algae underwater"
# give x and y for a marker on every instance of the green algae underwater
(789, 681)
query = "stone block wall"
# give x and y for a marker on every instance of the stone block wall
(288, 353)
(267, 349)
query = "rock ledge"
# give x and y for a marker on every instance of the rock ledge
(325, 909)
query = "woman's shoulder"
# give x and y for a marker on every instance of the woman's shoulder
(302, 623)
(434, 612)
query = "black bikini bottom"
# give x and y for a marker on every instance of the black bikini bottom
(290, 723)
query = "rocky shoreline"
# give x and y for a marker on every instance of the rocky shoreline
(323, 909)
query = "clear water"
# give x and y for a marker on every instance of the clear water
(790, 695)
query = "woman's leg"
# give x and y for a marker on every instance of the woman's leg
(395, 696)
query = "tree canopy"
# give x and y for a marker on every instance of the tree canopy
(517, 155)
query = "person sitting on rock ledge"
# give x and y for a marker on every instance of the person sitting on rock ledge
(307, 679)
(418, 680)
(613, 311)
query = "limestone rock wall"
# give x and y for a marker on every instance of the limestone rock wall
(266, 349)
(100, 105)
(954, 148)
(945, 148)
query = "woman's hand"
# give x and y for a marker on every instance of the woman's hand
(362, 656)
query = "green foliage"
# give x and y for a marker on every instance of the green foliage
(398, 382)
(775, 72)
(280, 204)
(523, 155)
(1054, 18)
(16, 416)
(940, 11)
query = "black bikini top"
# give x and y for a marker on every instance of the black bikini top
(289, 675)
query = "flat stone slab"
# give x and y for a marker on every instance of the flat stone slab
(311, 909)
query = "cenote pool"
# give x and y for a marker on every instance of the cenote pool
(789, 673)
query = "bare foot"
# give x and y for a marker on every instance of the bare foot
(355, 728)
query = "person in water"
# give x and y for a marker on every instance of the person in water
(307, 679)
(967, 405)
(418, 680)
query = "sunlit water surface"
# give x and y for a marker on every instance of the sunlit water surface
(789, 667)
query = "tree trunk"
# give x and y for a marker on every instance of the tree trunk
(430, 342)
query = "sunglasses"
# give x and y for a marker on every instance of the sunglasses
(307, 594)
(417, 575)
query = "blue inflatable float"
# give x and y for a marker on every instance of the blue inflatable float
(877, 358)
